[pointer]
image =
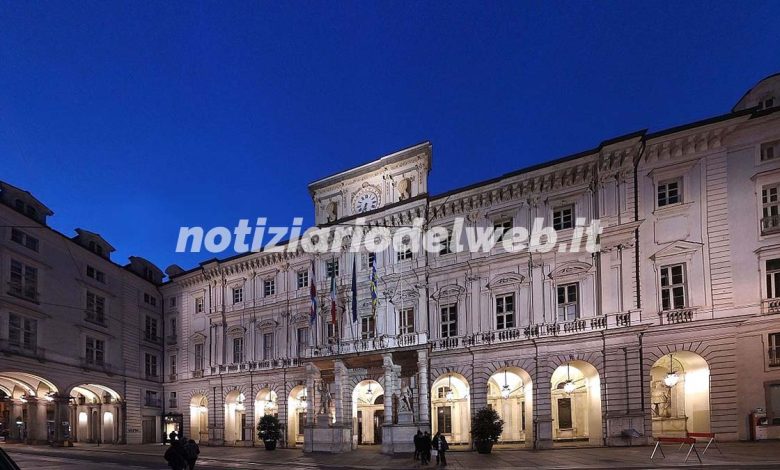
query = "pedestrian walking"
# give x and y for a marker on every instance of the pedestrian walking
(417, 439)
(425, 448)
(175, 456)
(191, 452)
(442, 454)
(172, 436)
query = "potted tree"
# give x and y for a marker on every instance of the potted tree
(486, 428)
(268, 431)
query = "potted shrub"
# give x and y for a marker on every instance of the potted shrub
(486, 428)
(268, 431)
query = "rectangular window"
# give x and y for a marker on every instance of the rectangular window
(173, 366)
(444, 244)
(774, 351)
(404, 253)
(172, 333)
(770, 150)
(669, 192)
(151, 399)
(23, 239)
(95, 351)
(303, 340)
(501, 227)
(23, 281)
(269, 287)
(173, 401)
(150, 330)
(770, 207)
(303, 279)
(150, 365)
(568, 302)
(238, 350)
(332, 268)
(198, 304)
(172, 302)
(268, 346)
(367, 327)
(444, 419)
(505, 311)
(564, 413)
(22, 332)
(150, 299)
(96, 308)
(333, 332)
(673, 287)
(442, 392)
(449, 321)
(96, 274)
(773, 278)
(563, 217)
(199, 356)
(238, 295)
(406, 321)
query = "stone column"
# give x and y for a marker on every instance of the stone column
(542, 409)
(390, 388)
(341, 394)
(18, 412)
(61, 415)
(422, 400)
(312, 380)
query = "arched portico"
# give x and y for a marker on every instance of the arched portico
(96, 411)
(680, 394)
(368, 412)
(451, 408)
(33, 409)
(576, 404)
(266, 403)
(296, 415)
(199, 418)
(510, 393)
(235, 418)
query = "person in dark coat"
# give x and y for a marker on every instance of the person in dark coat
(417, 438)
(175, 456)
(442, 447)
(425, 448)
(191, 452)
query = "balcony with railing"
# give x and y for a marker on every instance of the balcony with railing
(152, 337)
(378, 343)
(541, 330)
(153, 402)
(770, 306)
(242, 367)
(770, 224)
(680, 315)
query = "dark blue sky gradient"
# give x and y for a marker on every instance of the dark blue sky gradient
(134, 119)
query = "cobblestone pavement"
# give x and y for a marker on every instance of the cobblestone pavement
(753, 455)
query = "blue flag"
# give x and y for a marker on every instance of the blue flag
(373, 286)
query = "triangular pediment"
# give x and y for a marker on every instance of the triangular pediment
(676, 249)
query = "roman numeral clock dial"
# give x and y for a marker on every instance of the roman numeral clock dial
(366, 201)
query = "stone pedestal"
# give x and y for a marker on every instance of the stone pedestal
(617, 424)
(405, 417)
(330, 439)
(398, 438)
(544, 432)
(322, 421)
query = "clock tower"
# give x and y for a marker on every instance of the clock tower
(387, 181)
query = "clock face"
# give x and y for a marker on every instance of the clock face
(367, 201)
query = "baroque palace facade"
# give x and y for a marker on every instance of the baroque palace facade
(671, 327)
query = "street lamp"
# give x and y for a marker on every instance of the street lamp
(505, 391)
(449, 395)
(568, 386)
(671, 378)
(369, 392)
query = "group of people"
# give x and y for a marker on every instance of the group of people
(182, 454)
(425, 447)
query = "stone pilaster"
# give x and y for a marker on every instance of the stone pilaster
(423, 403)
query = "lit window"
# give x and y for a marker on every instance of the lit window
(673, 287)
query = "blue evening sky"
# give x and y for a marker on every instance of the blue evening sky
(131, 119)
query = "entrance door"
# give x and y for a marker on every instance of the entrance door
(379, 419)
(148, 431)
(360, 426)
(564, 413)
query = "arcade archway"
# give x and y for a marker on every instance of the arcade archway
(199, 418)
(680, 394)
(510, 393)
(451, 408)
(30, 408)
(368, 412)
(266, 403)
(576, 404)
(236, 428)
(97, 413)
(296, 415)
